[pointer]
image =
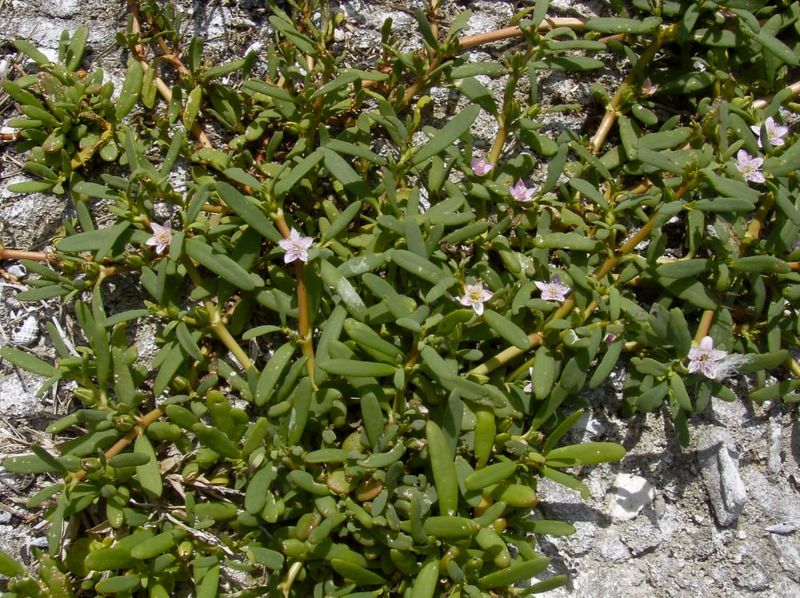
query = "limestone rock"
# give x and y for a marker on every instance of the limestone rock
(720, 468)
(788, 549)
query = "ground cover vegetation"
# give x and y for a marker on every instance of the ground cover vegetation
(374, 335)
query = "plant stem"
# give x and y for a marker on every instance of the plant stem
(565, 308)
(303, 317)
(614, 106)
(499, 142)
(794, 89)
(472, 41)
(754, 230)
(163, 89)
(286, 584)
(123, 442)
(215, 321)
(705, 323)
(34, 256)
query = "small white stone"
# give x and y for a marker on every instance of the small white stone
(17, 270)
(27, 332)
(629, 495)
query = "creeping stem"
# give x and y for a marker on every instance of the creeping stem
(121, 444)
(34, 256)
(472, 41)
(565, 308)
(616, 103)
(163, 89)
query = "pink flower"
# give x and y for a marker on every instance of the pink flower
(648, 87)
(474, 296)
(750, 167)
(521, 193)
(553, 290)
(480, 166)
(162, 236)
(704, 358)
(296, 247)
(775, 132)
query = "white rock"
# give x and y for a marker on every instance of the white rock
(18, 400)
(629, 495)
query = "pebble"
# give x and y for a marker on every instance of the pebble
(720, 468)
(629, 495)
(784, 529)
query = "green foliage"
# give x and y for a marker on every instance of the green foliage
(382, 438)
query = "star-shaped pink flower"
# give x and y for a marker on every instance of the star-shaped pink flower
(475, 295)
(296, 247)
(480, 166)
(750, 167)
(775, 132)
(704, 358)
(522, 193)
(553, 290)
(162, 236)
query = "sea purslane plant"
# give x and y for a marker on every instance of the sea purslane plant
(373, 336)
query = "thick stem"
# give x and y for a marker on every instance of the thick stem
(794, 366)
(499, 142)
(754, 230)
(472, 41)
(705, 323)
(34, 256)
(121, 444)
(794, 89)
